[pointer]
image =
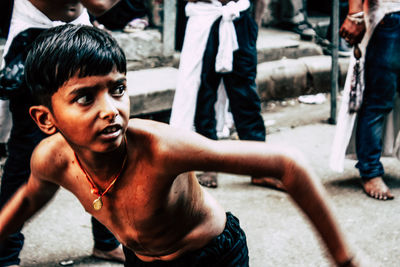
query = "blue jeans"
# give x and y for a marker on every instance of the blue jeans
(25, 135)
(382, 69)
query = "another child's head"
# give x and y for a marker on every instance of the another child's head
(66, 51)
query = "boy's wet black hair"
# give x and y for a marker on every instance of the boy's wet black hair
(62, 52)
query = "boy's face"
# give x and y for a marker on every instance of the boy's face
(92, 112)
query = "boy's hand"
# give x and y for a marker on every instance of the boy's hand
(352, 32)
(359, 260)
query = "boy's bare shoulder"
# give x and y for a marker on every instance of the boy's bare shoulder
(160, 138)
(160, 132)
(166, 140)
(50, 156)
(148, 128)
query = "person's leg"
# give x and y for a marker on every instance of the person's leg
(205, 121)
(291, 11)
(106, 246)
(293, 17)
(25, 135)
(240, 83)
(242, 91)
(381, 77)
(344, 48)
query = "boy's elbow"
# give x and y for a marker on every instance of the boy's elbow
(294, 168)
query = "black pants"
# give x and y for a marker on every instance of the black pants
(25, 135)
(240, 84)
(229, 249)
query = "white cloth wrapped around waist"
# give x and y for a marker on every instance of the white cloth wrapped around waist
(201, 17)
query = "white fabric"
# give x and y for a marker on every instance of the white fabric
(5, 121)
(223, 117)
(24, 16)
(344, 139)
(391, 5)
(201, 17)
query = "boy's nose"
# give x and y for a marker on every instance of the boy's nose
(108, 110)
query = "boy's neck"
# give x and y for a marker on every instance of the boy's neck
(102, 167)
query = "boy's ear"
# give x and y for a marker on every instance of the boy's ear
(43, 118)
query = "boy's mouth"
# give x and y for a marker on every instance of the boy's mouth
(111, 129)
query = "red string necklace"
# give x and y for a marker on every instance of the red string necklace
(98, 203)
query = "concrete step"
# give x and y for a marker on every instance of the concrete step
(274, 44)
(152, 90)
(143, 49)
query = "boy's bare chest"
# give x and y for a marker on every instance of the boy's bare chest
(115, 194)
(144, 215)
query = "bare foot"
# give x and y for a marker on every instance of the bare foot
(268, 182)
(116, 254)
(208, 179)
(376, 188)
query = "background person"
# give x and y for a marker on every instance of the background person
(29, 18)
(375, 26)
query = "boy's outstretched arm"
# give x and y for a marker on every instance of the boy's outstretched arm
(25, 203)
(263, 160)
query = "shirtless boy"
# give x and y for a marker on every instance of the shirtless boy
(134, 176)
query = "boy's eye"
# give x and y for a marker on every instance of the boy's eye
(118, 90)
(84, 99)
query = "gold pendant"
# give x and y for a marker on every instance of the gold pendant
(97, 203)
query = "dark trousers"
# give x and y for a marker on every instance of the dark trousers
(229, 249)
(240, 84)
(25, 135)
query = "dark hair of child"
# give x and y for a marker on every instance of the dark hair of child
(83, 51)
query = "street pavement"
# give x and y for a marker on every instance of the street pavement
(277, 232)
